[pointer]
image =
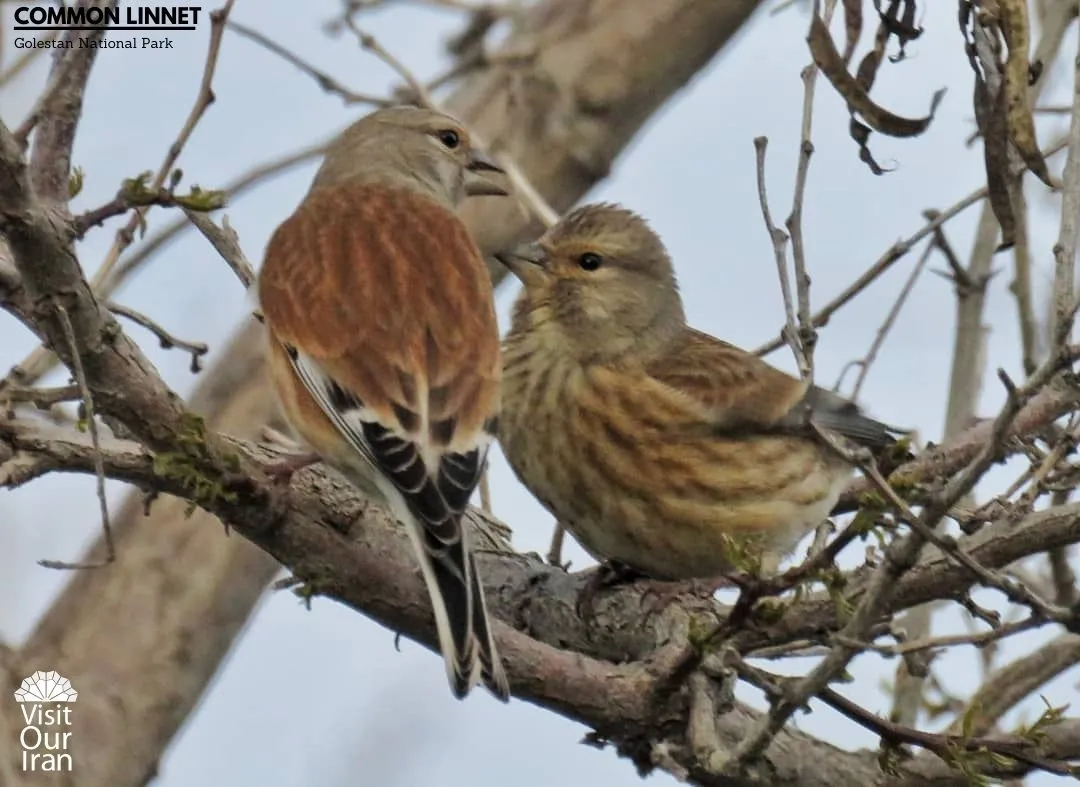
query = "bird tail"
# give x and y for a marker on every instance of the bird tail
(461, 618)
(491, 668)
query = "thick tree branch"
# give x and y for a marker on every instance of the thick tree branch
(349, 550)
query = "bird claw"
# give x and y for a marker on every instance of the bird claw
(607, 575)
(282, 470)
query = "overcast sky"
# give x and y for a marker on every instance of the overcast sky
(322, 697)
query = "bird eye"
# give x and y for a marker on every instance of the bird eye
(589, 261)
(449, 137)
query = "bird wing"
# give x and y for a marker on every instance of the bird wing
(738, 391)
(384, 306)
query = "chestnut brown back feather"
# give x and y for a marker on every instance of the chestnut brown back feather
(328, 268)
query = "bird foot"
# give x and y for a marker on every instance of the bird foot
(606, 576)
(272, 436)
(282, 470)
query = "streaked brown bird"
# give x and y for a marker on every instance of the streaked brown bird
(384, 347)
(659, 447)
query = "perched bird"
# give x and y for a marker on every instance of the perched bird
(659, 447)
(384, 346)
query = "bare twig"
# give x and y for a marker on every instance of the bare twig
(968, 360)
(226, 243)
(779, 240)
(896, 252)
(944, 745)
(133, 195)
(23, 61)
(807, 334)
(1011, 684)
(867, 360)
(1021, 283)
(42, 398)
(952, 456)
(41, 360)
(978, 639)
(1014, 591)
(324, 80)
(203, 100)
(1065, 248)
(899, 557)
(370, 44)
(99, 465)
(253, 177)
(168, 341)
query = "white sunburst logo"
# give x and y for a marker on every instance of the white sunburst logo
(44, 699)
(46, 687)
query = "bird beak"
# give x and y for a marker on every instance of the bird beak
(527, 261)
(478, 171)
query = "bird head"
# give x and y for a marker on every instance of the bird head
(605, 280)
(415, 148)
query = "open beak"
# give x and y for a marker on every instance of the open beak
(527, 261)
(478, 181)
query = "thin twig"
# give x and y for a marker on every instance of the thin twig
(324, 80)
(1014, 591)
(1065, 248)
(1011, 684)
(779, 240)
(867, 360)
(1020, 286)
(132, 195)
(25, 58)
(969, 352)
(978, 639)
(226, 243)
(807, 334)
(95, 440)
(896, 252)
(203, 100)
(253, 177)
(41, 361)
(168, 341)
(370, 44)
(942, 745)
(42, 398)
(776, 686)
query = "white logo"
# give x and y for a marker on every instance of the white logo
(46, 738)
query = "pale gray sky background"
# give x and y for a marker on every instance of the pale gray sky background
(322, 697)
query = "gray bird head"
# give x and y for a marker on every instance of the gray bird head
(415, 148)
